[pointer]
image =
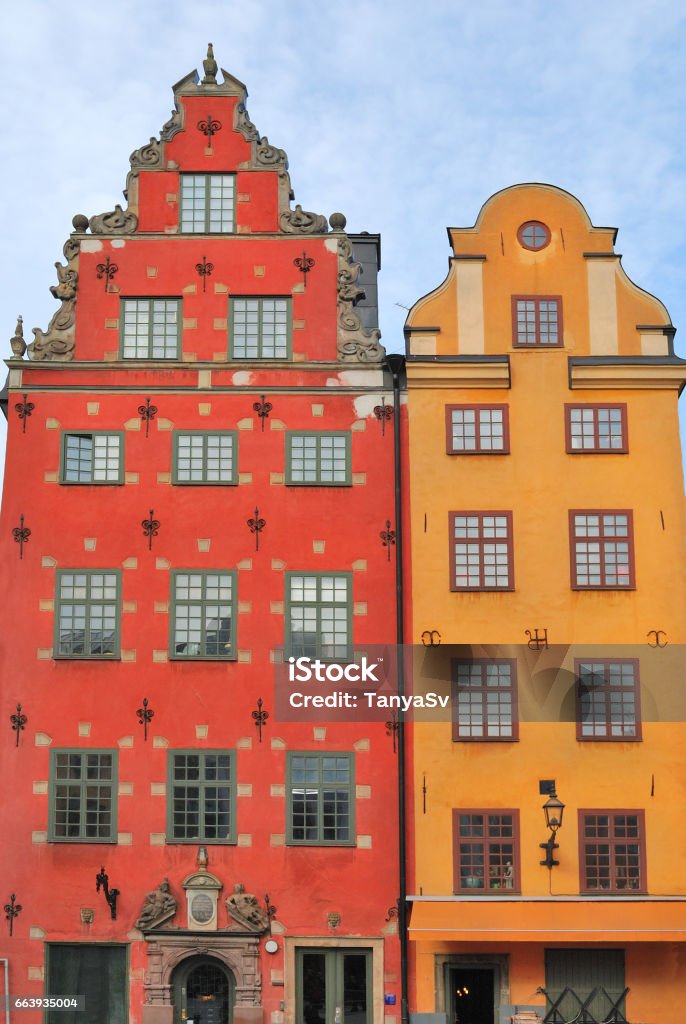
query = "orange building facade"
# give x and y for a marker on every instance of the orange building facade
(199, 465)
(547, 552)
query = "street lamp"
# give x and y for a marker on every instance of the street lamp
(553, 810)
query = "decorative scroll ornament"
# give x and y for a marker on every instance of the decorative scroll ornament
(115, 222)
(270, 155)
(173, 126)
(58, 341)
(302, 222)
(159, 906)
(246, 911)
(147, 156)
(244, 125)
(356, 344)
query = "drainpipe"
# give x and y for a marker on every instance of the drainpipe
(396, 364)
(6, 964)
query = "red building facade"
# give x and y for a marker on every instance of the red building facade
(201, 448)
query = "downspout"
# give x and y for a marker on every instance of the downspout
(396, 364)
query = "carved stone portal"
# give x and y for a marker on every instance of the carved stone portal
(239, 953)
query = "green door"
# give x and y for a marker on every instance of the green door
(334, 986)
(203, 992)
(573, 976)
(97, 972)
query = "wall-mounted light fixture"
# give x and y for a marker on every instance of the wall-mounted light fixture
(553, 810)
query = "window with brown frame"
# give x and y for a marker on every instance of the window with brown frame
(477, 429)
(537, 321)
(481, 551)
(612, 851)
(596, 428)
(602, 549)
(485, 699)
(486, 851)
(608, 705)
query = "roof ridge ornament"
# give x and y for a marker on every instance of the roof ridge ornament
(210, 67)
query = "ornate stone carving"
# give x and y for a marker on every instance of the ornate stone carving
(246, 911)
(210, 67)
(173, 126)
(356, 344)
(302, 222)
(269, 155)
(115, 222)
(72, 247)
(244, 125)
(147, 156)
(159, 906)
(17, 342)
(67, 280)
(57, 342)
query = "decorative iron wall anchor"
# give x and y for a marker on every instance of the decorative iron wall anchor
(392, 729)
(102, 881)
(145, 715)
(151, 528)
(209, 127)
(270, 911)
(383, 413)
(657, 640)
(424, 794)
(106, 270)
(147, 412)
(304, 264)
(393, 912)
(12, 910)
(18, 721)
(263, 409)
(256, 526)
(538, 639)
(388, 538)
(260, 717)
(204, 269)
(431, 638)
(23, 410)
(21, 535)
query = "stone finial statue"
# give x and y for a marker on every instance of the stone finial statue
(158, 907)
(210, 67)
(17, 342)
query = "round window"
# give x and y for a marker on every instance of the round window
(202, 908)
(533, 235)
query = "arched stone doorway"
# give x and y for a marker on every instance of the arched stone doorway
(204, 991)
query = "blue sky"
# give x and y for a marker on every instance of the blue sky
(403, 116)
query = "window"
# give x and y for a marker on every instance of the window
(87, 609)
(201, 457)
(481, 546)
(318, 458)
(151, 328)
(596, 428)
(260, 328)
(97, 972)
(477, 429)
(83, 803)
(92, 459)
(533, 234)
(602, 550)
(486, 851)
(485, 699)
(202, 796)
(608, 700)
(321, 789)
(318, 607)
(536, 321)
(207, 203)
(612, 851)
(203, 615)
